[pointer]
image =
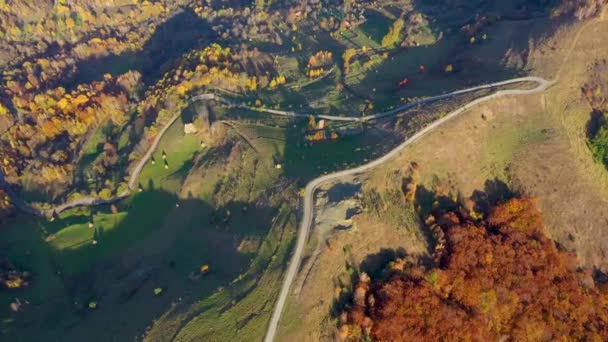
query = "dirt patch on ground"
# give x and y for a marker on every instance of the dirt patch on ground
(312, 306)
(336, 205)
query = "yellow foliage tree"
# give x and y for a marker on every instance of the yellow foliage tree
(394, 33)
(347, 56)
(312, 123)
(80, 100)
(253, 84)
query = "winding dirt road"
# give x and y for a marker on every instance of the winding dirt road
(134, 176)
(376, 116)
(311, 187)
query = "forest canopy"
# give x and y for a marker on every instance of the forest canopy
(501, 278)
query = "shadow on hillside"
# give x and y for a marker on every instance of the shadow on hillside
(596, 121)
(377, 266)
(355, 145)
(341, 191)
(501, 55)
(170, 40)
(161, 243)
(495, 191)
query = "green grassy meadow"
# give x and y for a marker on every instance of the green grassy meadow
(159, 237)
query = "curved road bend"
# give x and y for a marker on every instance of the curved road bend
(312, 186)
(211, 96)
(91, 201)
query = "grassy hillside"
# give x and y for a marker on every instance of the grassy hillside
(533, 145)
(194, 212)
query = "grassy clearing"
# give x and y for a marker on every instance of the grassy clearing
(376, 26)
(357, 38)
(302, 160)
(169, 173)
(305, 160)
(70, 236)
(73, 247)
(268, 141)
(76, 235)
(507, 142)
(381, 78)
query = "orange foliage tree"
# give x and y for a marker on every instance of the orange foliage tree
(498, 279)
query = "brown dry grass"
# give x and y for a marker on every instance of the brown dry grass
(536, 144)
(311, 308)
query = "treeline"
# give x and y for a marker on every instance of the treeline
(52, 124)
(319, 63)
(498, 278)
(32, 27)
(596, 93)
(243, 23)
(342, 14)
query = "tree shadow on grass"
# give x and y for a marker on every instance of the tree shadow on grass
(432, 203)
(161, 242)
(182, 32)
(341, 191)
(495, 192)
(500, 55)
(376, 265)
(305, 160)
(596, 121)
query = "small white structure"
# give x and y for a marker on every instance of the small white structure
(321, 124)
(278, 166)
(189, 128)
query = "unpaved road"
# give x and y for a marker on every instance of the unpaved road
(312, 186)
(133, 178)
